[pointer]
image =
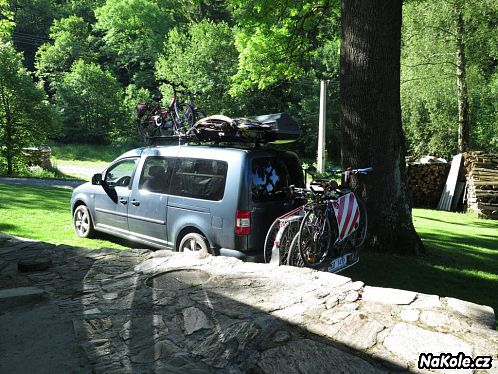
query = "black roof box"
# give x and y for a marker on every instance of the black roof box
(284, 128)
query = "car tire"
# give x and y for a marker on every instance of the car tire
(194, 242)
(82, 221)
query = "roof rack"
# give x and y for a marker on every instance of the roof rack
(271, 128)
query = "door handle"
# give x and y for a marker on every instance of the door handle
(123, 201)
(135, 202)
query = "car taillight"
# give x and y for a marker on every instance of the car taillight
(243, 222)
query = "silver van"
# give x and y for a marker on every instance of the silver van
(190, 197)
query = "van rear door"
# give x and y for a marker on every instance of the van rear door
(269, 199)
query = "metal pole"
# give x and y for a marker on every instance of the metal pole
(321, 127)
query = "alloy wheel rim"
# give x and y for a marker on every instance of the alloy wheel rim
(81, 222)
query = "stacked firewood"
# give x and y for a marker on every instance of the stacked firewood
(426, 182)
(38, 156)
(482, 183)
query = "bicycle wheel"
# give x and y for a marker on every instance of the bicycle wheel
(315, 237)
(294, 256)
(270, 239)
(290, 231)
(184, 118)
(147, 128)
(358, 237)
(198, 114)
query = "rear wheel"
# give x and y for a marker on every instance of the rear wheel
(270, 239)
(83, 224)
(315, 237)
(194, 242)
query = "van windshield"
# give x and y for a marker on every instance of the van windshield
(270, 176)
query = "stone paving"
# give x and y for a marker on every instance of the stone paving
(139, 311)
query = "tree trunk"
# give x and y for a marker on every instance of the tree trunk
(9, 152)
(371, 119)
(463, 98)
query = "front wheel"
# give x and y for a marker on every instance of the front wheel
(83, 224)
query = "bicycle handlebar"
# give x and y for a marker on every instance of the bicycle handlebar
(354, 171)
(172, 84)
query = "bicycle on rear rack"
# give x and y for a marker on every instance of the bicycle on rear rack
(334, 227)
(283, 230)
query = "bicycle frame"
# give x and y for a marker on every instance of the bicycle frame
(294, 216)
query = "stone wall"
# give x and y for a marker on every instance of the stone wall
(141, 311)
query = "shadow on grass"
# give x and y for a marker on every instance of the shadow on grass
(34, 197)
(457, 241)
(7, 226)
(479, 223)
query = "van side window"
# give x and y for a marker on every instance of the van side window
(119, 175)
(199, 178)
(156, 174)
(270, 176)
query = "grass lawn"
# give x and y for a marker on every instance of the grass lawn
(462, 258)
(44, 214)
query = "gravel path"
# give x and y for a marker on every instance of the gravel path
(42, 182)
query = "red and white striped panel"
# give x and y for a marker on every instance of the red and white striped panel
(347, 213)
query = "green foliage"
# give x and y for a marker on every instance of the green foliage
(428, 75)
(22, 105)
(90, 99)
(133, 33)
(82, 8)
(204, 59)
(127, 131)
(6, 21)
(72, 41)
(32, 22)
(276, 40)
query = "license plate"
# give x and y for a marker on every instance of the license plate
(342, 262)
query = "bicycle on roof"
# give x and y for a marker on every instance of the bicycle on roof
(153, 121)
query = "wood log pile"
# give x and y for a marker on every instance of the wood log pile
(38, 156)
(482, 183)
(426, 182)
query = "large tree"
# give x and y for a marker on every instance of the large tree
(372, 134)
(26, 119)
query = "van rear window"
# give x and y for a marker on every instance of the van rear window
(271, 176)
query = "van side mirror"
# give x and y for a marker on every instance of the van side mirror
(97, 179)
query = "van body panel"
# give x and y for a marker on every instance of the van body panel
(193, 198)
